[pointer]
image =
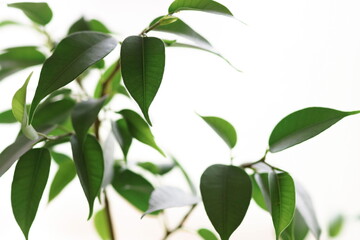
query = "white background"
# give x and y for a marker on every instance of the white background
(293, 54)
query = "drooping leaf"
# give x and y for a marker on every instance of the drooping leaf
(89, 162)
(122, 135)
(297, 230)
(133, 187)
(30, 177)
(223, 128)
(226, 193)
(185, 174)
(302, 125)
(64, 175)
(72, 56)
(257, 195)
(39, 13)
(157, 169)
(7, 117)
(262, 180)
(84, 25)
(139, 129)
(101, 223)
(142, 67)
(336, 225)
(206, 234)
(209, 6)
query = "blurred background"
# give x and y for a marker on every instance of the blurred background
(293, 54)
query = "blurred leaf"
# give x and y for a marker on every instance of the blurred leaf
(8, 22)
(111, 78)
(336, 225)
(157, 169)
(37, 12)
(101, 223)
(7, 117)
(297, 230)
(109, 160)
(199, 5)
(257, 195)
(186, 175)
(206, 234)
(84, 25)
(122, 135)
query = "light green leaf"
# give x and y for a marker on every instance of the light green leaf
(7, 117)
(336, 225)
(72, 56)
(8, 22)
(142, 67)
(122, 135)
(30, 177)
(226, 193)
(111, 78)
(101, 223)
(297, 230)
(19, 103)
(139, 129)
(206, 234)
(199, 5)
(157, 169)
(89, 162)
(223, 128)
(39, 13)
(302, 125)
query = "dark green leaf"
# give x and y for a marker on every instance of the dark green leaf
(84, 25)
(223, 128)
(142, 67)
(89, 162)
(157, 169)
(37, 12)
(139, 129)
(297, 230)
(257, 194)
(101, 223)
(226, 193)
(206, 234)
(7, 117)
(30, 177)
(336, 225)
(72, 56)
(199, 5)
(122, 135)
(65, 174)
(302, 125)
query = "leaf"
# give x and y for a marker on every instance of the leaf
(7, 117)
(97, 26)
(72, 56)
(122, 135)
(185, 174)
(297, 230)
(139, 129)
(111, 78)
(84, 115)
(30, 177)
(226, 193)
(133, 187)
(169, 197)
(64, 175)
(262, 180)
(223, 128)
(156, 169)
(84, 25)
(199, 5)
(19, 103)
(89, 162)
(8, 22)
(257, 195)
(206, 234)
(181, 29)
(101, 223)
(336, 225)
(37, 12)
(302, 125)
(142, 67)
(109, 160)
(282, 194)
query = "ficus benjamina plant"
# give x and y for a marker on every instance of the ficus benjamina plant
(59, 114)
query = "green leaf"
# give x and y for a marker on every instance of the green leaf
(84, 25)
(39, 13)
(122, 135)
(226, 193)
(139, 129)
(89, 162)
(181, 29)
(199, 5)
(166, 197)
(206, 234)
(282, 194)
(302, 125)
(336, 225)
(19, 103)
(8, 22)
(7, 117)
(157, 169)
(84, 115)
(133, 187)
(297, 230)
(64, 175)
(257, 195)
(112, 75)
(97, 26)
(101, 223)
(72, 56)
(185, 174)
(30, 177)
(223, 128)
(142, 67)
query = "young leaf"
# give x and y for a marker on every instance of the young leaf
(139, 129)
(282, 194)
(199, 5)
(142, 67)
(297, 230)
(226, 193)
(72, 56)
(65, 174)
(30, 177)
(101, 223)
(157, 169)
(169, 197)
(89, 162)
(336, 225)
(39, 13)
(7, 117)
(19, 103)
(206, 234)
(122, 135)
(302, 125)
(223, 128)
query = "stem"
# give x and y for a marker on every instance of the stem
(251, 164)
(108, 215)
(156, 24)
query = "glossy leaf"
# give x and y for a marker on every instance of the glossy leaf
(64, 175)
(7, 117)
(282, 194)
(72, 56)
(30, 177)
(336, 225)
(166, 197)
(257, 195)
(122, 135)
(262, 180)
(157, 169)
(199, 5)
(223, 128)
(142, 67)
(297, 230)
(89, 162)
(139, 129)
(19, 104)
(206, 234)
(101, 223)
(226, 193)
(302, 125)
(39, 13)
(84, 25)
